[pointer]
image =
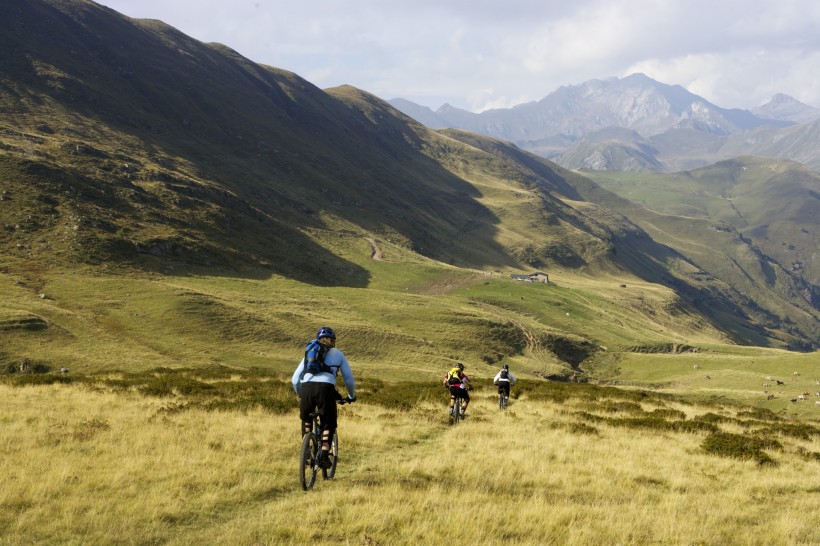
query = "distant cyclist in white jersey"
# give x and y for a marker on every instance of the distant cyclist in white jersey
(504, 380)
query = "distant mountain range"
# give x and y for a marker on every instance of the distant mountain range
(636, 123)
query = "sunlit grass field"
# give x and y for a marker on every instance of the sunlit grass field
(114, 460)
(175, 422)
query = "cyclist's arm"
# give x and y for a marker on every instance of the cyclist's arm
(347, 376)
(512, 379)
(297, 376)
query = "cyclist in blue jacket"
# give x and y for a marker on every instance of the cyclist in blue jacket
(318, 391)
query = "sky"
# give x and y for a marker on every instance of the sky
(483, 54)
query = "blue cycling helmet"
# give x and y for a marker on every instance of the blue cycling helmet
(325, 331)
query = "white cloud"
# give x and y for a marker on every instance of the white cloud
(479, 54)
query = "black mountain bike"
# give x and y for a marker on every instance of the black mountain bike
(503, 398)
(311, 451)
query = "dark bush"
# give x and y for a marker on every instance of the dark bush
(582, 428)
(713, 418)
(759, 413)
(39, 379)
(725, 444)
(666, 413)
(618, 406)
(801, 431)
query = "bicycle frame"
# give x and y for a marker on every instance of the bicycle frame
(311, 451)
(457, 410)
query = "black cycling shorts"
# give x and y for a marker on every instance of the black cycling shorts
(504, 388)
(319, 397)
(458, 391)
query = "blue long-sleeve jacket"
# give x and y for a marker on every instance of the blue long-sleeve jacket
(334, 358)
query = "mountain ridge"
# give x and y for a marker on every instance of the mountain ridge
(561, 126)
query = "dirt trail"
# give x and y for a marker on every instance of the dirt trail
(377, 252)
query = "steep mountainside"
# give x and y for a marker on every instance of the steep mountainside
(128, 145)
(758, 220)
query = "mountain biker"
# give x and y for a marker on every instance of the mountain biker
(318, 391)
(458, 383)
(504, 380)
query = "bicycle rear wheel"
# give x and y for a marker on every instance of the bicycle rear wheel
(328, 473)
(307, 461)
(457, 411)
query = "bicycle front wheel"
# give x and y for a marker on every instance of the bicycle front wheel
(307, 461)
(328, 473)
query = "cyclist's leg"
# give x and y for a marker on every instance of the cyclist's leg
(307, 404)
(453, 392)
(465, 395)
(327, 413)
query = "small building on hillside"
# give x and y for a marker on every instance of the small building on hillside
(538, 276)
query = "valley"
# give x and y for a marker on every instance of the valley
(176, 221)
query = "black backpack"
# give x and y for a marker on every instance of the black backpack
(504, 374)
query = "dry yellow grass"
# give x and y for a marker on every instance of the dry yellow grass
(87, 466)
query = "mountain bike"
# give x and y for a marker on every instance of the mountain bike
(503, 398)
(457, 412)
(311, 451)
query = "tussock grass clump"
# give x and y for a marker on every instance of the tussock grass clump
(656, 420)
(612, 406)
(714, 418)
(560, 391)
(401, 396)
(660, 424)
(762, 414)
(737, 446)
(801, 431)
(667, 413)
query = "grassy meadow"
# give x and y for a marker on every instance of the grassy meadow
(175, 423)
(113, 459)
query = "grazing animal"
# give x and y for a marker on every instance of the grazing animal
(707, 377)
(793, 400)
(817, 393)
(779, 382)
(768, 378)
(63, 370)
(817, 403)
(767, 384)
(771, 397)
(696, 366)
(801, 397)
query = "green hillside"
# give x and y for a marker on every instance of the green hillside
(165, 202)
(750, 222)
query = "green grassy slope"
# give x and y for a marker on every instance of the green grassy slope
(749, 223)
(170, 203)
